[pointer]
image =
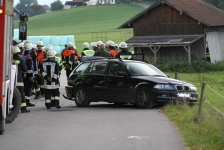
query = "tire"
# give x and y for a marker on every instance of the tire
(143, 98)
(81, 98)
(2, 122)
(16, 101)
(2, 126)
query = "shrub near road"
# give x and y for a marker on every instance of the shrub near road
(206, 131)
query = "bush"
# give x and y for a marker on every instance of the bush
(198, 66)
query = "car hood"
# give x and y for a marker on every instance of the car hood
(160, 80)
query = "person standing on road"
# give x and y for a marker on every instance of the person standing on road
(70, 58)
(111, 49)
(87, 52)
(40, 58)
(124, 53)
(21, 67)
(101, 52)
(28, 75)
(50, 72)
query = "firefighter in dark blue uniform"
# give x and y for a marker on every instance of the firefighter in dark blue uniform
(124, 53)
(50, 72)
(28, 76)
(21, 67)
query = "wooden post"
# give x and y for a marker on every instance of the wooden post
(201, 101)
(176, 77)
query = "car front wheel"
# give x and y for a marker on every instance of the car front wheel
(143, 98)
(81, 98)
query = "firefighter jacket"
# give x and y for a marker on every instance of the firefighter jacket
(113, 52)
(21, 67)
(29, 64)
(50, 72)
(69, 59)
(87, 53)
(40, 58)
(58, 59)
(102, 52)
(34, 58)
(124, 54)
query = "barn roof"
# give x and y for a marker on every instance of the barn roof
(200, 10)
(168, 40)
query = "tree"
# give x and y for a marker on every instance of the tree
(56, 5)
(30, 7)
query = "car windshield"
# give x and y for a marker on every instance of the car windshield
(143, 69)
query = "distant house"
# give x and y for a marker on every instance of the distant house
(172, 29)
(75, 3)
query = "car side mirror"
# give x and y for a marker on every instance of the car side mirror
(22, 31)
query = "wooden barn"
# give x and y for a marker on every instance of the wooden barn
(178, 29)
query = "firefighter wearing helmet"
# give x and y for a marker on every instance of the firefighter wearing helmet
(28, 75)
(50, 72)
(124, 53)
(87, 52)
(70, 58)
(21, 67)
(40, 58)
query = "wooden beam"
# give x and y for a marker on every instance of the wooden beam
(188, 49)
(155, 49)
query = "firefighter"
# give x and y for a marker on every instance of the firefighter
(28, 75)
(21, 67)
(70, 58)
(21, 47)
(87, 52)
(50, 72)
(40, 58)
(111, 49)
(94, 46)
(124, 53)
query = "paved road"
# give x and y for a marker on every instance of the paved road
(98, 127)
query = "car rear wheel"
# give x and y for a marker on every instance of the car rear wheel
(143, 98)
(81, 98)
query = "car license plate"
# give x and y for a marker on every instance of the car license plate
(183, 95)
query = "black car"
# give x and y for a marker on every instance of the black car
(125, 81)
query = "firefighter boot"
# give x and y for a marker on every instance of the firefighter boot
(38, 95)
(24, 110)
(28, 104)
(48, 105)
(57, 105)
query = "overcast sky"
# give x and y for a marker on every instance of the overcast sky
(43, 2)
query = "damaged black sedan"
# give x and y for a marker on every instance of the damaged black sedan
(125, 81)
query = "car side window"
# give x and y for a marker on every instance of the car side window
(114, 68)
(81, 68)
(98, 68)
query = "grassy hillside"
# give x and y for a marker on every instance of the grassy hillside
(83, 21)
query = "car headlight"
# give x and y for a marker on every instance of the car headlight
(163, 87)
(193, 88)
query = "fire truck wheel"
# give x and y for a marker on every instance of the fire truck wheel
(16, 101)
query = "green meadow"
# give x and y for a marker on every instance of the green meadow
(93, 23)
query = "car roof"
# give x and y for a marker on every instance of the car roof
(99, 58)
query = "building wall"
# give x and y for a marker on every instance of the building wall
(165, 20)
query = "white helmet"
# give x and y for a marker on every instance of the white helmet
(108, 42)
(85, 45)
(28, 46)
(27, 41)
(40, 43)
(111, 43)
(99, 43)
(21, 45)
(34, 46)
(16, 50)
(93, 44)
(70, 44)
(50, 53)
(123, 45)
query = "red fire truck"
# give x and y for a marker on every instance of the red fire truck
(10, 100)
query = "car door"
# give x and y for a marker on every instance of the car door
(95, 77)
(117, 85)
